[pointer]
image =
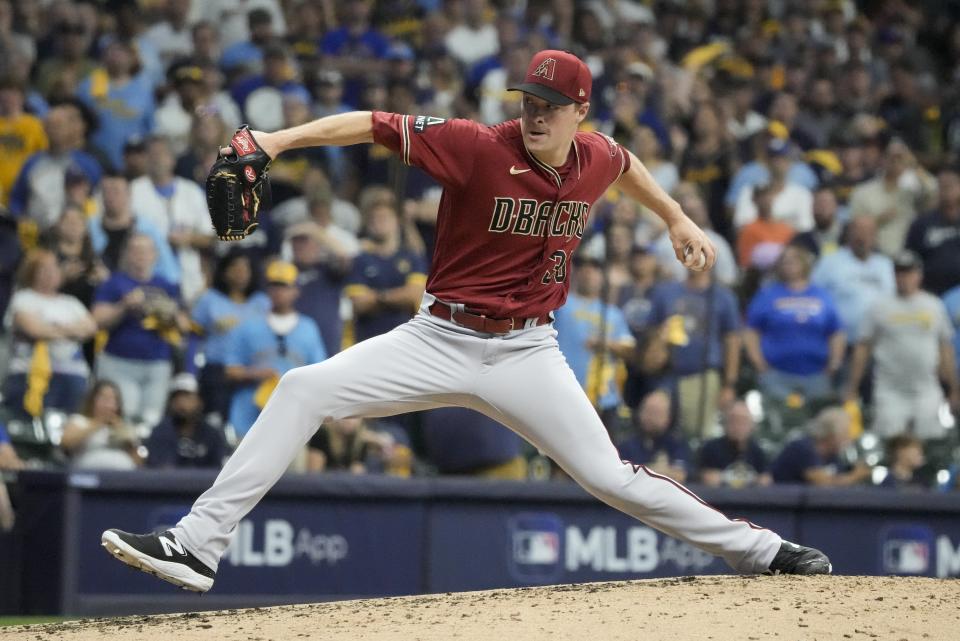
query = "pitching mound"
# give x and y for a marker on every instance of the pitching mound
(721, 608)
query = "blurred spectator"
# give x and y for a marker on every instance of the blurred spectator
(635, 301)
(911, 341)
(323, 263)
(206, 41)
(98, 437)
(21, 134)
(765, 236)
(245, 56)
(320, 204)
(734, 459)
(288, 174)
(184, 439)
(935, 237)
(824, 238)
(655, 445)
(110, 231)
(82, 268)
(784, 110)
(47, 369)
(122, 98)
(131, 27)
(171, 35)
(794, 336)
(695, 348)
(473, 36)
(708, 162)
(386, 282)
(744, 123)
(260, 96)
(633, 106)
(819, 117)
(596, 361)
(13, 43)
(8, 456)
(191, 99)
(207, 133)
(815, 459)
(329, 90)
(232, 298)
(856, 275)
(725, 269)
(263, 349)
(458, 440)
(893, 198)
(904, 458)
(141, 312)
(792, 203)
(349, 445)
(39, 192)
(70, 63)
(757, 171)
(355, 49)
(231, 17)
(650, 152)
(496, 102)
(135, 158)
(177, 208)
(10, 253)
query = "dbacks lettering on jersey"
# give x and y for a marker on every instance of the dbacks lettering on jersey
(528, 217)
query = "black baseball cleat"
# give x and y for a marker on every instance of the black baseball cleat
(161, 555)
(797, 559)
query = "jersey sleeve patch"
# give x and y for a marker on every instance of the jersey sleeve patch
(421, 123)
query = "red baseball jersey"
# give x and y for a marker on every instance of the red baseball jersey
(508, 223)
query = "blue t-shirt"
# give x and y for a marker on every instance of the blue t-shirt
(124, 112)
(723, 454)
(673, 299)
(4, 437)
(255, 344)
(795, 459)
(219, 316)
(794, 327)
(129, 339)
(375, 272)
(577, 322)
(320, 291)
(667, 447)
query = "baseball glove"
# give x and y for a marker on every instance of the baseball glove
(235, 187)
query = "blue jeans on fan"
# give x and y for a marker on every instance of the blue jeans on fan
(778, 385)
(65, 392)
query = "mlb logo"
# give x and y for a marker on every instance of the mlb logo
(535, 547)
(906, 550)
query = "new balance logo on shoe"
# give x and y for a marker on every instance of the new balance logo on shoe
(169, 545)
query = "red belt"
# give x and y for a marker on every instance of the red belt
(481, 323)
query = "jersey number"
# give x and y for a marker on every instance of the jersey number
(558, 273)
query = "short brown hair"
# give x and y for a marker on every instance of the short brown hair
(27, 271)
(900, 442)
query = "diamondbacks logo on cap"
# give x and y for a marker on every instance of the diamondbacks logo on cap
(546, 68)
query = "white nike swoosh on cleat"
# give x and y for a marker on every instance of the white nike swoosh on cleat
(514, 171)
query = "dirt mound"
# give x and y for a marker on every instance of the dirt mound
(720, 608)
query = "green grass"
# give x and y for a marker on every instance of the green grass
(19, 620)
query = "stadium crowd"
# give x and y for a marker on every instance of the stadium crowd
(818, 142)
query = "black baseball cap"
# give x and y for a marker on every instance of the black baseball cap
(907, 260)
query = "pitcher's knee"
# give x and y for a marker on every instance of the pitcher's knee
(303, 383)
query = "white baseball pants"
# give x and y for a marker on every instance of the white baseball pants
(520, 379)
